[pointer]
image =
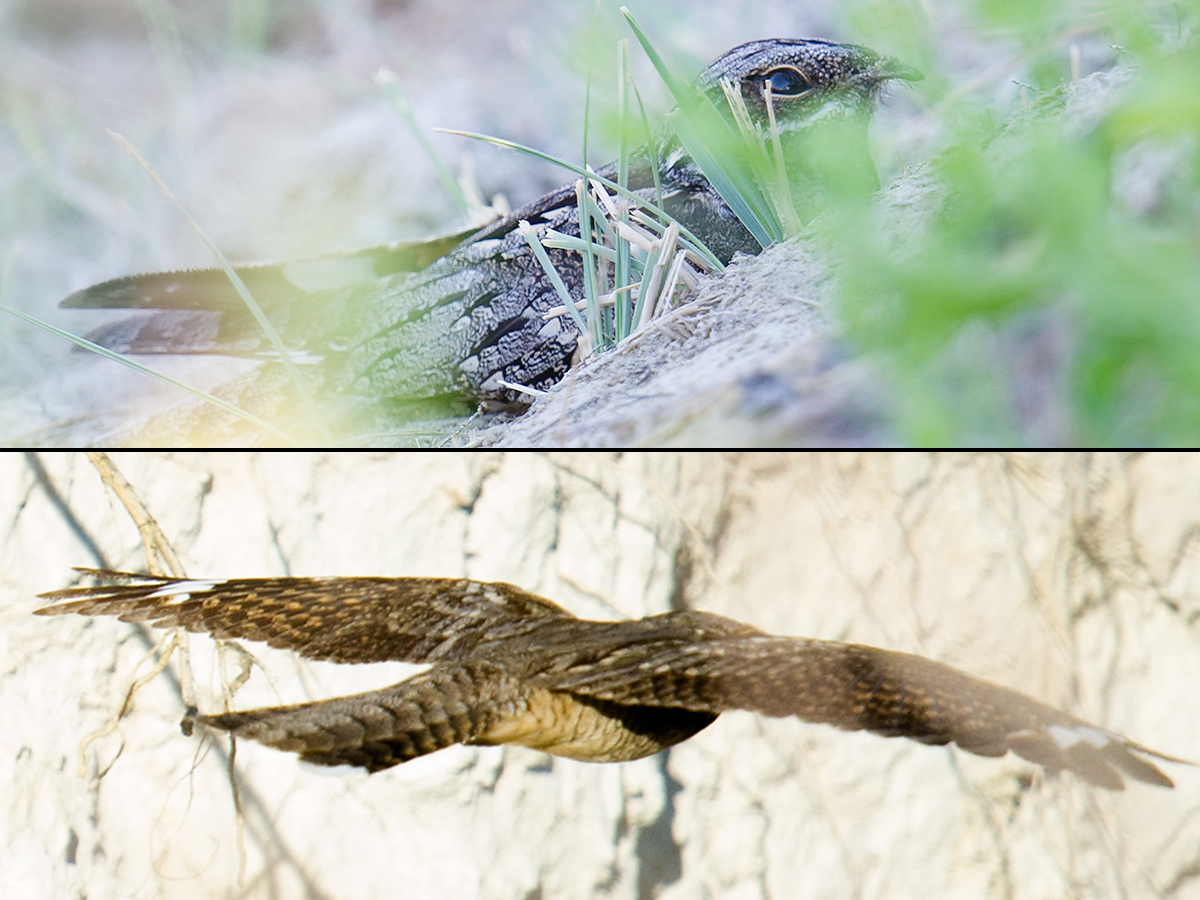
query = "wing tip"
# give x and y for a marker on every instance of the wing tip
(1094, 754)
(84, 599)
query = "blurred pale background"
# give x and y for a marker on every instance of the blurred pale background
(1074, 578)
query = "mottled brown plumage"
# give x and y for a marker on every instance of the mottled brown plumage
(405, 323)
(511, 667)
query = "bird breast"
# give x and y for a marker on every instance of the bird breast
(592, 730)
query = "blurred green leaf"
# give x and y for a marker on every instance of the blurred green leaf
(1084, 207)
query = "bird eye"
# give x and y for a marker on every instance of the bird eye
(786, 82)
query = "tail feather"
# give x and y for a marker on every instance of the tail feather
(375, 730)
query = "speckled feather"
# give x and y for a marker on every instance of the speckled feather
(345, 620)
(474, 318)
(512, 667)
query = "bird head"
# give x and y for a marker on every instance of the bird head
(812, 99)
(806, 81)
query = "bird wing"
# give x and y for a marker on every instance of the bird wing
(474, 314)
(449, 704)
(346, 620)
(311, 302)
(855, 687)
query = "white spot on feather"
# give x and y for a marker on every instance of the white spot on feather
(180, 591)
(1066, 738)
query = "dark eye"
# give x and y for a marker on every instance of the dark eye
(786, 82)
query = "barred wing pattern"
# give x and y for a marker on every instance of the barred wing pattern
(512, 667)
(344, 620)
(855, 687)
(379, 729)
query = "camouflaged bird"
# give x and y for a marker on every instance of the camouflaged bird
(406, 323)
(509, 667)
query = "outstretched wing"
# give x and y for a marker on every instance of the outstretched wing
(346, 620)
(856, 687)
(376, 730)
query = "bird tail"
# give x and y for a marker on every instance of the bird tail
(375, 730)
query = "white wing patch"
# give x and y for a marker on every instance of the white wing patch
(1066, 738)
(180, 591)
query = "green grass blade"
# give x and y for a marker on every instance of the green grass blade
(552, 273)
(623, 310)
(386, 80)
(654, 162)
(679, 89)
(590, 293)
(706, 254)
(715, 148)
(730, 181)
(556, 240)
(302, 387)
(589, 264)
